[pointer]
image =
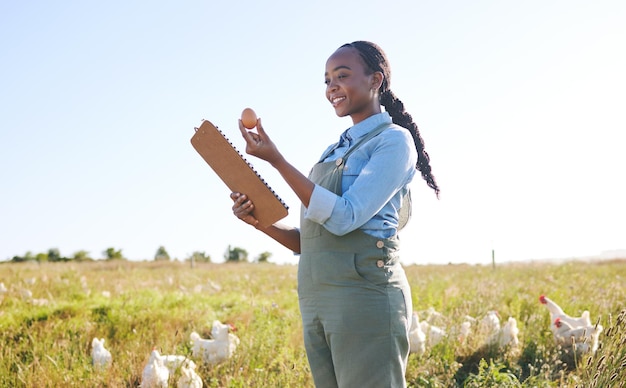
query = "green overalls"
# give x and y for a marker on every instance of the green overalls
(354, 299)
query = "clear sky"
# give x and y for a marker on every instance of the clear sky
(521, 105)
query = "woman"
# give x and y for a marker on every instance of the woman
(353, 293)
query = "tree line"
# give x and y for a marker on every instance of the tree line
(232, 255)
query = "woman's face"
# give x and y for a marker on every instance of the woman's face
(348, 88)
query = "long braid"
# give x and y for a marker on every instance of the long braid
(375, 60)
(399, 116)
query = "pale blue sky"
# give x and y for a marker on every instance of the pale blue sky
(521, 105)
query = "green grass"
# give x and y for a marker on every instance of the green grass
(158, 304)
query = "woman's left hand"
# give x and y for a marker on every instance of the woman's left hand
(242, 208)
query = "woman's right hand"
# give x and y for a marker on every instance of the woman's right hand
(259, 144)
(242, 208)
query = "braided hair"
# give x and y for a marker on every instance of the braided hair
(376, 60)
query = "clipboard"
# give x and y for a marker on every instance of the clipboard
(237, 173)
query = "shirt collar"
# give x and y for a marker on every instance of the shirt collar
(364, 127)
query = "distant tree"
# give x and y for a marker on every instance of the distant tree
(236, 254)
(82, 256)
(54, 255)
(161, 254)
(28, 256)
(41, 257)
(199, 257)
(112, 254)
(263, 257)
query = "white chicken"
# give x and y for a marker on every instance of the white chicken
(581, 338)
(175, 362)
(155, 374)
(417, 338)
(186, 368)
(100, 357)
(433, 316)
(507, 335)
(434, 334)
(189, 378)
(490, 324)
(219, 348)
(465, 330)
(557, 312)
(26, 294)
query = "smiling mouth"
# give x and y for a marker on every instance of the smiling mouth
(337, 100)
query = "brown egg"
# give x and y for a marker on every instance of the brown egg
(248, 118)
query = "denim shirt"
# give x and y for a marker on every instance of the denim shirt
(374, 180)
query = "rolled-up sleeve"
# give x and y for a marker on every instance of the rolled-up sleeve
(321, 205)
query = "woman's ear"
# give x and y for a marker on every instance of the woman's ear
(377, 80)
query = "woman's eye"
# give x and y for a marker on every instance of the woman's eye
(340, 76)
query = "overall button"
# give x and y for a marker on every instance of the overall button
(338, 162)
(380, 263)
(380, 244)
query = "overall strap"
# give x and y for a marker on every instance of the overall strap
(376, 131)
(367, 137)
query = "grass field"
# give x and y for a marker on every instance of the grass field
(45, 336)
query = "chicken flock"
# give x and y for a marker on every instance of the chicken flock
(220, 347)
(427, 333)
(160, 368)
(573, 334)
